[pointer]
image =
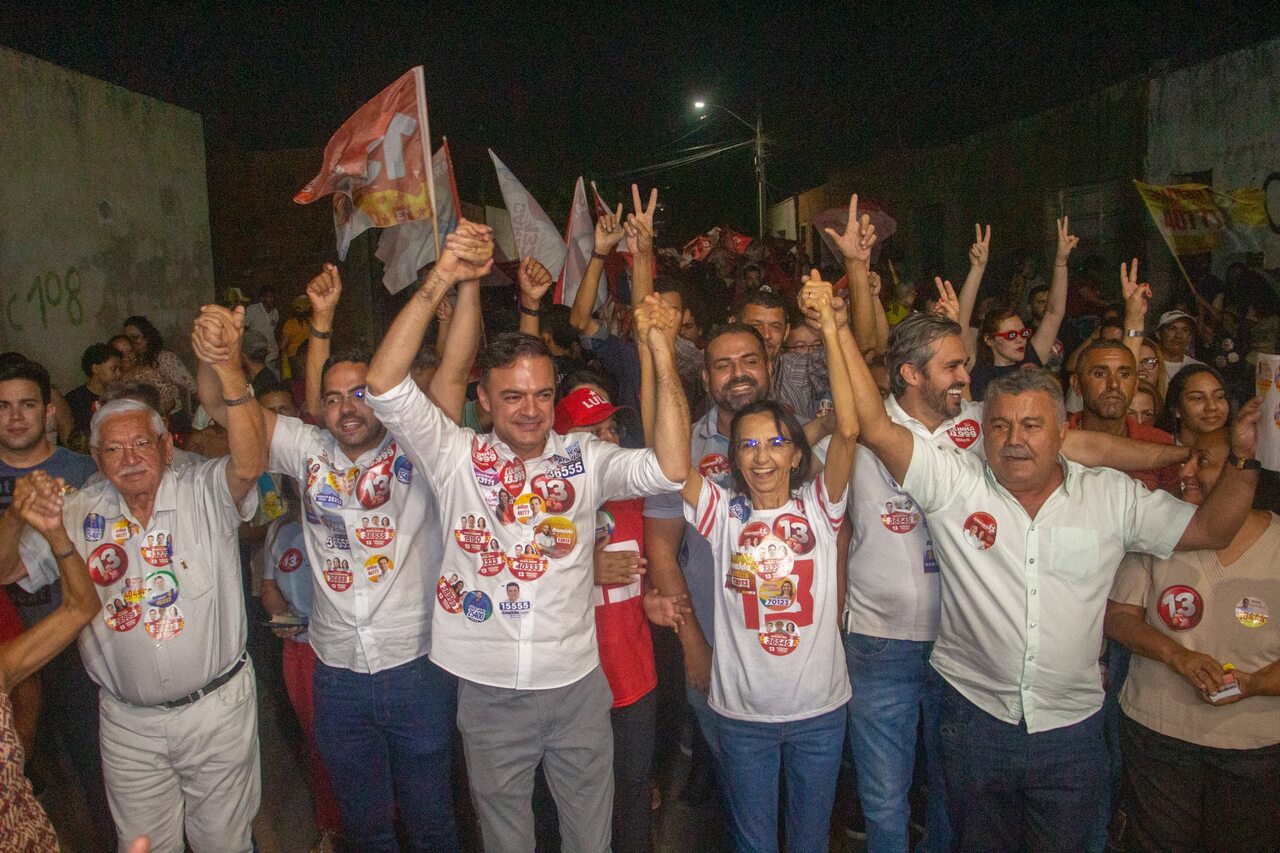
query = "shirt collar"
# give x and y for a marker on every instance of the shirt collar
(341, 459)
(706, 427)
(553, 447)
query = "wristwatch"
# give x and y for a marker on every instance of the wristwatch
(1135, 333)
(1242, 464)
(243, 398)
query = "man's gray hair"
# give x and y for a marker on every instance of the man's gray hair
(1024, 380)
(912, 342)
(123, 406)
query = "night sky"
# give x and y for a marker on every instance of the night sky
(561, 89)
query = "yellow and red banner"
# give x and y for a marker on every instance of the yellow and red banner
(1195, 218)
(376, 165)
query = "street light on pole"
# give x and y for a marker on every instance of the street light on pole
(758, 130)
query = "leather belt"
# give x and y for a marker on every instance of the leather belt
(210, 687)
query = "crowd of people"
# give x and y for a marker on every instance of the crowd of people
(1000, 550)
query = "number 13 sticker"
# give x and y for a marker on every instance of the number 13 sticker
(1180, 607)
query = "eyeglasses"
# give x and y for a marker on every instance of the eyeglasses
(1012, 336)
(335, 398)
(1149, 362)
(112, 452)
(752, 443)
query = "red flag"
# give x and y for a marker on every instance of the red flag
(376, 165)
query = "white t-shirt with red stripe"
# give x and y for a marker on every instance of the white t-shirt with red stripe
(777, 654)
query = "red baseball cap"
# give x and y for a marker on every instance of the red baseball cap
(582, 407)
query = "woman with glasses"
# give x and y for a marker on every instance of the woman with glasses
(1151, 366)
(1008, 343)
(779, 684)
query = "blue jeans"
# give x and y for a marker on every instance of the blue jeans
(708, 721)
(1117, 658)
(386, 739)
(808, 752)
(1008, 789)
(890, 690)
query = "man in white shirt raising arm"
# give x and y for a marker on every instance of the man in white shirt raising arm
(530, 685)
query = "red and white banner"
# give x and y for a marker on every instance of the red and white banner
(376, 164)
(721, 236)
(535, 236)
(405, 249)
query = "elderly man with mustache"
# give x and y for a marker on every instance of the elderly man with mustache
(1028, 543)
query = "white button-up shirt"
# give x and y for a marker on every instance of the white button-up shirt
(893, 588)
(1023, 599)
(172, 615)
(373, 540)
(514, 599)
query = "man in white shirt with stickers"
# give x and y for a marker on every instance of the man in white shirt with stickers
(1028, 543)
(531, 688)
(178, 708)
(383, 712)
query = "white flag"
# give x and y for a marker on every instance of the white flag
(581, 242)
(535, 236)
(406, 248)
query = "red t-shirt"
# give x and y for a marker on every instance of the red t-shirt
(626, 646)
(1153, 478)
(10, 620)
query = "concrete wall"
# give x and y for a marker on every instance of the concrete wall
(1078, 159)
(1221, 116)
(105, 214)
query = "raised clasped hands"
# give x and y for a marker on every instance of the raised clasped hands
(216, 334)
(37, 497)
(467, 254)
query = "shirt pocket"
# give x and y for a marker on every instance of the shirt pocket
(1074, 553)
(194, 574)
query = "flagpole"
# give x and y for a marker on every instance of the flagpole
(420, 87)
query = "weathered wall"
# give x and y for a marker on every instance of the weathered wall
(1221, 116)
(105, 214)
(1079, 158)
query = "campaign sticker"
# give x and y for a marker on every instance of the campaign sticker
(94, 526)
(777, 595)
(605, 525)
(162, 588)
(900, 515)
(1276, 416)
(107, 564)
(134, 590)
(740, 507)
(742, 574)
(375, 531)
(526, 563)
(1180, 607)
(449, 593)
(157, 549)
(512, 603)
(555, 536)
(826, 406)
(529, 508)
(483, 456)
(477, 606)
(378, 567)
(713, 466)
(337, 539)
(123, 530)
(964, 433)
(568, 465)
(1252, 612)
(337, 574)
(512, 477)
(752, 534)
(502, 503)
(795, 531)
(310, 514)
(163, 623)
(472, 534)
(120, 616)
(290, 561)
(327, 495)
(556, 492)
(374, 486)
(492, 560)
(404, 470)
(485, 478)
(980, 531)
(773, 558)
(930, 561)
(779, 637)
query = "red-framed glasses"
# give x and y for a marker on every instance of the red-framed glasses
(1012, 336)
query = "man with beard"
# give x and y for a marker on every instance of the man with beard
(1029, 542)
(70, 703)
(736, 374)
(384, 713)
(1106, 378)
(893, 595)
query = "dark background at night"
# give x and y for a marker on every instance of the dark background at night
(597, 89)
